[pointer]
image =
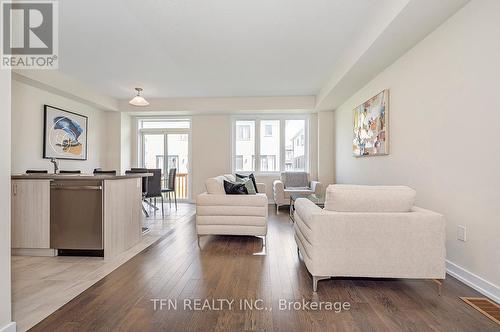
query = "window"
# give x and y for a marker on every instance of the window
(239, 162)
(243, 132)
(267, 163)
(295, 142)
(245, 146)
(159, 161)
(164, 124)
(173, 161)
(153, 150)
(270, 144)
(163, 143)
(268, 130)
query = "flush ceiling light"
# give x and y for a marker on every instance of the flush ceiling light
(138, 100)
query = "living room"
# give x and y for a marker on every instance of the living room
(254, 166)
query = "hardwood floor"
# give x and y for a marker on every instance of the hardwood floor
(41, 285)
(234, 268)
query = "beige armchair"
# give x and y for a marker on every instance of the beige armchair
(221, 214)
(293, 183)
(370, 231)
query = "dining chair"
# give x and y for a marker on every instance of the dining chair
(144, 186)
(154, 187)
(170, 187)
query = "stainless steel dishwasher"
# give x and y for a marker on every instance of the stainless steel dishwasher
(76, 216)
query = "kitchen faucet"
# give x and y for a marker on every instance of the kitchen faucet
(56, 167)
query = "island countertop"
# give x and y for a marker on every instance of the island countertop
(53, 214)
(45, 176)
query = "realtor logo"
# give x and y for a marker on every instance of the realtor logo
(29, 34)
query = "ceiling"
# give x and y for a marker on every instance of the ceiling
(216, 48)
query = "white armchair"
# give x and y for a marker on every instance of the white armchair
(221, 214)
(293, 183)
(367, 231)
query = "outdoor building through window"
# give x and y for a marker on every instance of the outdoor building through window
(270, 145)
(245, 146)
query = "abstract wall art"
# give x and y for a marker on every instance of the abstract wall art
(65, 134)
(371, 131)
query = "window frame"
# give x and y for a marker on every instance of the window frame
(265, 130)
(258, 118)
(140, 146)
(173, 119)
(243, 133)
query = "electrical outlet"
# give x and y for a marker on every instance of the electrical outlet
(462, 233)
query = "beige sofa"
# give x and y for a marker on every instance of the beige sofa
(370, 231)
(293, 183)
(221, 214)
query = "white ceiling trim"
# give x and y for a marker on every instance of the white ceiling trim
(406, 29)
(58, 83)
(222, 104)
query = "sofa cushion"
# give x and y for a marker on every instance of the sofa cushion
(230, 177)
(215, 185)
(354, 198)
(234, 188)
(295, 179)
(299, 190)
(232, 200)
(248, 184)
(252, 178)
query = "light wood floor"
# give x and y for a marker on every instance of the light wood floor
(41, 285)
(233, 267)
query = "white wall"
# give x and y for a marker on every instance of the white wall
(111, 146)
(211, 150)
(27, 132)
(5, 147)
(445, 124)
(325, 149)
(126, 142)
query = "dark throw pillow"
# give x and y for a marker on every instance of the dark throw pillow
(251, 177)
(232, 188)
(248, 184)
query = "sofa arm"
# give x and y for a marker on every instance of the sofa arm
(278, 190)
(317, 187)
(398, 244)
(306, 210)
(205, 199)
(261, 188)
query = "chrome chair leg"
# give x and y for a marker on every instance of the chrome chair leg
(175, 199)
(162, 212)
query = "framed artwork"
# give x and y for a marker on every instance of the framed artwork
(64, 134)
(371, 131)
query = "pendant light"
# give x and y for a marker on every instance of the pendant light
(138, 100)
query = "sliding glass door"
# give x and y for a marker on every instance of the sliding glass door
(154, 151)
(167, 148)
(178, 157)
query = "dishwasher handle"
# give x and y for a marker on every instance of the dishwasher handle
(63, 187)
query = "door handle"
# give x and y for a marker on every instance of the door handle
(59, 187)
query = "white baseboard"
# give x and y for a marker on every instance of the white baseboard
(34, 252)
(483, 286)
(11, 327)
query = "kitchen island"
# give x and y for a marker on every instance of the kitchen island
(73, 214)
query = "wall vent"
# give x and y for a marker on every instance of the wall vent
(485, 306)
